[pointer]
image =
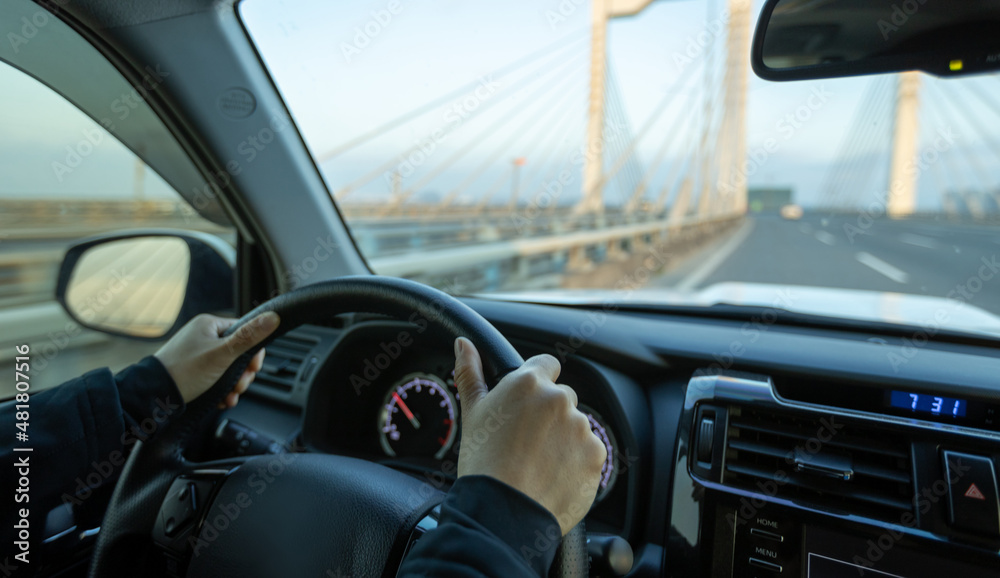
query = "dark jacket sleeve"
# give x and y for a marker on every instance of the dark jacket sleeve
(79, 434)
(486, 529)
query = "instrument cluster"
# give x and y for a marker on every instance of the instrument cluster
(404, 410)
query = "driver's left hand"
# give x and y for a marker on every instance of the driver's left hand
(198, 355)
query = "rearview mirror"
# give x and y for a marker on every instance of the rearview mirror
(806, 39)
(146, 284)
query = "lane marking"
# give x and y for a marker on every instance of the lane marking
(826, 238)
(880, 266)
(919, 241)
(709, 265)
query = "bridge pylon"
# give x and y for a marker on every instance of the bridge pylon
(902, 190)
(601, 12)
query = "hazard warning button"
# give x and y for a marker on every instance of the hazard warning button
(972, 493)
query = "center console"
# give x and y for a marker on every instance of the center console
(784, 485)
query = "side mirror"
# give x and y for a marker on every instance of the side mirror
(806, 39)
(145, 284)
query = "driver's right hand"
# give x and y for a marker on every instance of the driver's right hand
(528, 433)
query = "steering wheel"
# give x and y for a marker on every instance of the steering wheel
(247, 516)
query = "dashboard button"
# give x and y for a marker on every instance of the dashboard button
(706, 438)
(765, 565)
(972, 493)
(757, 532)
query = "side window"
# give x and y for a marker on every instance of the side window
(64, 177)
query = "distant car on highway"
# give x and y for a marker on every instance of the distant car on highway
(791, 212)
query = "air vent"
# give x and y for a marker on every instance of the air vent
(822, 460)
(284, 357)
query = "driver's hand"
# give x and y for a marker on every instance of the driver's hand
(198, 355)
(528, 434)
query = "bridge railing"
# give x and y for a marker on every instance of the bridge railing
(488, 251)
(475, 254)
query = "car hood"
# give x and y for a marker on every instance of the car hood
(901, 308)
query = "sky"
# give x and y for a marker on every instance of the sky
(345, 68)
(43, 138)
(340, 82)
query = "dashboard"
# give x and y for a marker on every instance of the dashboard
(387, 394)
(809, 454)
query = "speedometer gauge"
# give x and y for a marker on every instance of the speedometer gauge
(418, 418)
(600, 428)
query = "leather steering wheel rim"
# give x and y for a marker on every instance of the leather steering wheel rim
(153, 464)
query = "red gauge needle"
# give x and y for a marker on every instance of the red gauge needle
(406, 410)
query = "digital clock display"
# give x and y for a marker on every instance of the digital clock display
(927, 403)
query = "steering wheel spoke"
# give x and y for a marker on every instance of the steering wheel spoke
(185, 507)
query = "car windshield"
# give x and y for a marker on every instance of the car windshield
(570, 151)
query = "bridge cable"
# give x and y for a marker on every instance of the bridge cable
(981, 95)
(462, 151)
(529, 125)
(965, 111)
(549, 50)
(565, 127)
(860, 136)
(633, 165)
(948, 157)
(865, 116)
(622, 130)
(879, 131)
(675, 166)
(655, 165)
(573, 157)
(483, 107)
(623, 158)
(561, 124)
(683, 165)
(973, 160)
(856, 161)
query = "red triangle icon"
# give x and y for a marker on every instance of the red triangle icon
(973, 492)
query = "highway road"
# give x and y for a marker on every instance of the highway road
(934, 258)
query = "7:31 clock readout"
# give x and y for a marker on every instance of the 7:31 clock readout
(927, 403)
